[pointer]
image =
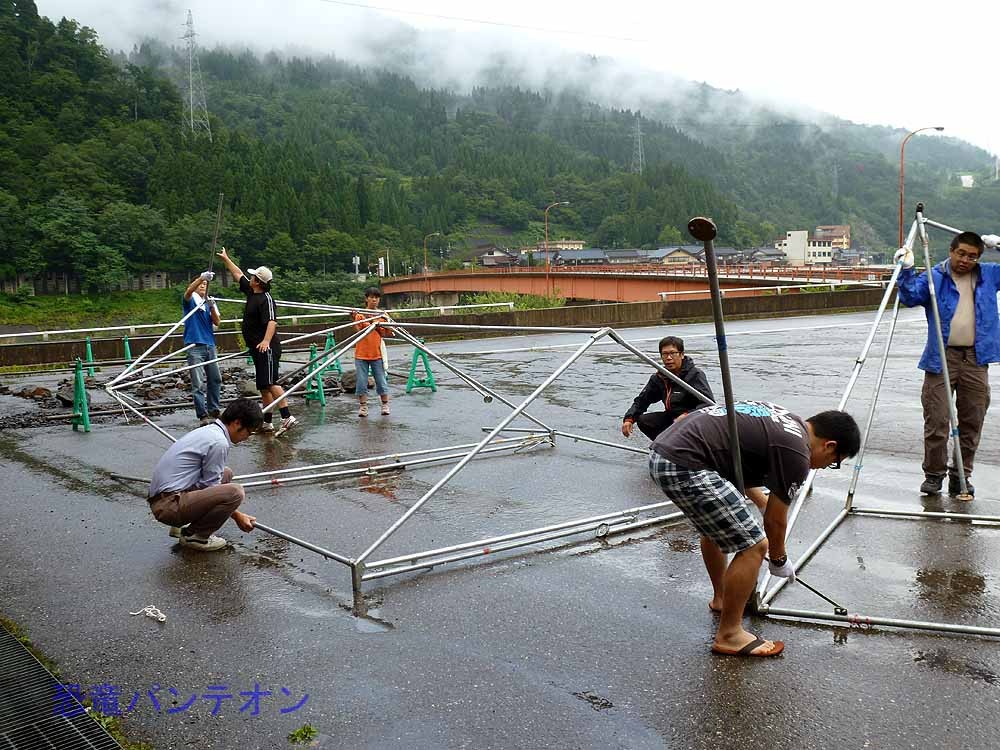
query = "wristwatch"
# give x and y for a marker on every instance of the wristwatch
(779, 561)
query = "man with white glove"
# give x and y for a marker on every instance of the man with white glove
(966, 292)
(782, 568)
(199, 331)
(692, 462)
(905, 256)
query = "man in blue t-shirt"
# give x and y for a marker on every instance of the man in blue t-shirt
(201, 357)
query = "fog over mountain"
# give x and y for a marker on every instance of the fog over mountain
(634, 70)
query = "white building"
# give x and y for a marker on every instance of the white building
(802, 250)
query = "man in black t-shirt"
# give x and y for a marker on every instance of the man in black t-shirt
(692, 462)
(259, 329)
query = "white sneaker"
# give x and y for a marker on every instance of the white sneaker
(286, 425)
(363, 410)
(205, 544)
(385, 410)
(175, 531)
(266, 427)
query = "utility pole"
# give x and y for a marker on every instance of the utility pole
(638, 158)
(195, 109)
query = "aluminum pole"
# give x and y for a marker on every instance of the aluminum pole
(160, 340)
(943, 353)
(662, 370)
(488, 394)
(496, 430)
(865, 621)
(295, 540)
(703, 229)
(860, 458)
(215, 234)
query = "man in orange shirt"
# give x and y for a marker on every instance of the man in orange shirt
(368, 354)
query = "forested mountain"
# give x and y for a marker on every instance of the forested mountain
(320, 160)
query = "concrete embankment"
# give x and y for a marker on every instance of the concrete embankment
(616, 315)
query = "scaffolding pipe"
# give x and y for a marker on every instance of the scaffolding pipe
(545, 329)
(663, 370)
(160, 340)
(860, 458)
(507, 420)
(806, 556)
(925, 514)
(865, 621)
(488, 394)
(943, 353)
(490, 541)
(295, 540)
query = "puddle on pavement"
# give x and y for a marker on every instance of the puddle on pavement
(941, 660)
(960, 591)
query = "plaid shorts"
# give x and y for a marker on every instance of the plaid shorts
(711, 503)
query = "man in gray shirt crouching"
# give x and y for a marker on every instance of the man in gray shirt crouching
(191, 489)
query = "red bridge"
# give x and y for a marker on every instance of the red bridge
(621, 284)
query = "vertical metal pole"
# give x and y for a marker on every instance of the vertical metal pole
(215, 234)
(859, 459)
(703, 229)
(594, 338)
(942, 350)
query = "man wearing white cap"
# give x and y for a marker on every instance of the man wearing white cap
(259, 332)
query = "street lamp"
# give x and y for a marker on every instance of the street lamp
(432, 234)
(548, 290)
(902, 148)
(426, 267)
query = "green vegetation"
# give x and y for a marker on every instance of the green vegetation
(320, 161)
(521, 301)
(113, 726)
(304, 734)
(22, 636)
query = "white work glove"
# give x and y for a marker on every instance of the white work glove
(208, 275)
(991, 240)
(905, 255)
(782, 571)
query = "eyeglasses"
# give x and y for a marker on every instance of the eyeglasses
(671, 354)
(963, 256)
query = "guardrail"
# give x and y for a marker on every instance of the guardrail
(778, 289)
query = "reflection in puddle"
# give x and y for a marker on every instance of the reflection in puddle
(958, 590)
(941, 660)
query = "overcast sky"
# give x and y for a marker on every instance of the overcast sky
(906, 65)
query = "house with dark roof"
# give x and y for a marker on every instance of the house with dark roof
(625, 256)
(588, 256)
(492, 256)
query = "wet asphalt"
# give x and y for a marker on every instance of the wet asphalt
(579, 643)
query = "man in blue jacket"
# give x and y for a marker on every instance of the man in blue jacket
(966, 293)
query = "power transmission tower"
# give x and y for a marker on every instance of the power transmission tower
(638, 158)
(195, 109)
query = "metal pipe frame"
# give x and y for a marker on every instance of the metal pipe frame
(160, 340)
(488, 394)
(544, 329)
(584, 439)
(120, 398)
(860, 458)
(295, 540)
(324, 360)
(396, 465)
(384, 457)
(865, 621)
(596, 336)
(858, 364)
(481, 548)
(929, 514)
(662, 370)
(350, 341)
(943, 353)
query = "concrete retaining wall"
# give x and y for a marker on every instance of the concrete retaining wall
(616, 315)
